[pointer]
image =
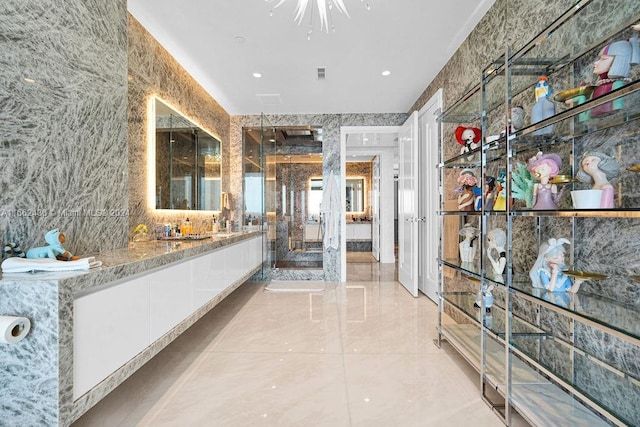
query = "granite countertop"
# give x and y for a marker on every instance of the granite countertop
(137, 258)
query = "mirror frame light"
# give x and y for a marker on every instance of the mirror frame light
(151, 156)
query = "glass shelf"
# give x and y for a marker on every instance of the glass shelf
(574, 368)
(620, 320)
(472, 269)
(531, 391)
(625, 108)
(469, 160)
(552, 55)
(460, 213)
(580, 213)
(494, 319)
(466, 110)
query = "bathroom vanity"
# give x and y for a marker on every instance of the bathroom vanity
(92, 329)
(359, 236)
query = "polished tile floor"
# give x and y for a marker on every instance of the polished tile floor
(355, 354)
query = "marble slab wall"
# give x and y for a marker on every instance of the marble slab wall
(63, 150)
(63, 122)
(153, 71)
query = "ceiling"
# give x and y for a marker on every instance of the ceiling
(221, 43)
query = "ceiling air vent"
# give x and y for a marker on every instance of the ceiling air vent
(321, 73)
(269, 98)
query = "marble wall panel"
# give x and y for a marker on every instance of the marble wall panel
(152, 71)
(63, 147)
(621, 395)
(32, 361)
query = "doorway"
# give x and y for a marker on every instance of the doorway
(377, 145)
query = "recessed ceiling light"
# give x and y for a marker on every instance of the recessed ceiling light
(386, 73)
(257, 75)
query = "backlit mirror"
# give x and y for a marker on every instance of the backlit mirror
(355, 195)
(188, 163)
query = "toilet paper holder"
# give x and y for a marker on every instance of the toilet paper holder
(13, 329)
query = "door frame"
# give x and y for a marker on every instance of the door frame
(386, 187)
(428, 191)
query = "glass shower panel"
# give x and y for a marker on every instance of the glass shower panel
(277, 189)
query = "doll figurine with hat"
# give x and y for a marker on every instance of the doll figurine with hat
(468, 246)
(54, 250)
(469, 193)
(468, 137)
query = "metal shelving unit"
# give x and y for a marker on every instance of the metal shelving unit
(554, 357)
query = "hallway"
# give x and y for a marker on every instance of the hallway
(356, 354)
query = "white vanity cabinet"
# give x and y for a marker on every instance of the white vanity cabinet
(360, 231)
(117, 322)
(110, 327)
(169, 298)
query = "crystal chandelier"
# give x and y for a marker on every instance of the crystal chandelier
(324, 11)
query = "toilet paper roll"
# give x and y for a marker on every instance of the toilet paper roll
(13, 329)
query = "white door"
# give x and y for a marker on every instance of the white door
(428, 195)
(408, 205)
(375, 209)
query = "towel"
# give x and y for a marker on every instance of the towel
(330, 208)
(29, 265)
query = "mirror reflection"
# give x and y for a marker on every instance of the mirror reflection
(355, 195)
(188, 163)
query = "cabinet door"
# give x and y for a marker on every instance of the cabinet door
(362, 232)
(255, 251)
(170, 298)
(209, 277)
(110, 327)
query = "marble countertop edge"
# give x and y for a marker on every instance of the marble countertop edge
(122, 263)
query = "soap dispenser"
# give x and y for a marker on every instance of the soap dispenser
(186, 228)
(216, 226)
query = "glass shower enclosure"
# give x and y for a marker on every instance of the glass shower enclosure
(282, 172)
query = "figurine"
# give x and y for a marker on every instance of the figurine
(543, 108)
(612, 67)
(517, 120)
(469, 138)
(485, 298)
(55, 239)
(522, 184)
(500, 203)
(598, 168)
(496, 240)
(547, 272)
(489, 197)
(544, 167)
(467, 248)
(470, 193)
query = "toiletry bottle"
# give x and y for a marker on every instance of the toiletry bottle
(186, 228)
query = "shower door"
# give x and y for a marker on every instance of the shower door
(282, 191)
